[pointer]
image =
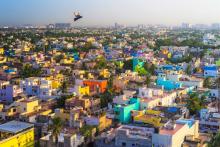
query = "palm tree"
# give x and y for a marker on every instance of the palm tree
(56, 128)
(148, 80)
(64, 87)
(188, 69)
(207, 82)
(215, 141)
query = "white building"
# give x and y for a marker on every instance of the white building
(37, 86)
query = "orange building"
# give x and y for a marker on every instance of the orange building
(98, 86)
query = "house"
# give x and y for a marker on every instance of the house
(101, 121)
(96, 86)
(87, 103)
(167, 84)
(133, 136)
(16, 133)
(2, 51)
(150, 117)
(123, 112)
(210, 71)
(9, 91)
(150, 98)
(64, 140)
(37, 86)
(20, 108)
(209, 121)
(82, 90)
(174, 134)
(185, 80)
(105, 73)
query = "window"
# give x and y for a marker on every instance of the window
(123, 144)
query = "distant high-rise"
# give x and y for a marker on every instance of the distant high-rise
(216, 26)
(117, 25)
(62, 25)
(51, 26)
(185, 25)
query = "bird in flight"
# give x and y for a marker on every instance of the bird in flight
(77, 16)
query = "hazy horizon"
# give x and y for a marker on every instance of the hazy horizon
(107, 12)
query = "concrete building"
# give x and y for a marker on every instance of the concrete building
(36, 86)
(15, 133)
(123, 112)
(64, 140)
(9, 91)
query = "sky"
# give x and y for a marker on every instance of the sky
(107, 12)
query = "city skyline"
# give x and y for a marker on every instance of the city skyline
(102, 13)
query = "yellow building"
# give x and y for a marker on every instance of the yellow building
(28, 106)
(16, 134)
(105, 73)
(148, 119)
(104, 122)
(67, 61)
(56, 80)
(83, 90)
(91, 39)
(3, 59)
(61, 113)
(1, 51)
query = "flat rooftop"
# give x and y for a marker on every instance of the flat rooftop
(14, 126)
(165, 131)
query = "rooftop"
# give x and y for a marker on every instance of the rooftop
(14, 126)
(165, 131)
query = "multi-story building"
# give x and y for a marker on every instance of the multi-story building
(9, 91)
(211, 71)
(167, 84)
(101, 121)
(96, 86)
(64, 140)
(36, 86)
(133, 136)
(123, 112)
(209, 121)
(151, 98)
(171, 134)
(20, 108)
(174, 134)
(15, 133)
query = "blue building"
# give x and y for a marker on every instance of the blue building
(137, 62)
(167, 84)
(210, 71)
(123, 112)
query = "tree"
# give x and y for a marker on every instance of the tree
(128, 64)
(207, 82)
(217, 82)
(141, 71)
(148, 80)
(64, 87)
(87, 131)
(195, 104)
(28, 71)
(56, 127)
(152, 69)
(215, 141)
(101, 63)
(188, 69)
